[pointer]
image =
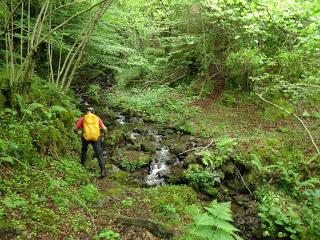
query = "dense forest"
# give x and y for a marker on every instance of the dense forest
(212, 110)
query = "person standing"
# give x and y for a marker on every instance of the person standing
(91, 125)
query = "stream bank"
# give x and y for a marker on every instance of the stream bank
(155, 154)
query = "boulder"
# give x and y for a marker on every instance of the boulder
(175, 176)
(189, 159)
(179, 147)
(115, 137)
(148, 146)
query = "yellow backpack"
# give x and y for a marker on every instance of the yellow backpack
(91, 129)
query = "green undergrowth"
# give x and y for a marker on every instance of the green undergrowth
(162, 105)
(46, 198)
(43, 192)
(273, 147)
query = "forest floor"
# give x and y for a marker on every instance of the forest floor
(67, 201)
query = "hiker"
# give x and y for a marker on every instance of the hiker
(91, 124)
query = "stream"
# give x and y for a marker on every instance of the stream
(132, 138)
(159, 167)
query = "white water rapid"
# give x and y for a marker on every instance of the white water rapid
(159, 168)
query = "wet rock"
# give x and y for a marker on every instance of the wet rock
(175, 176)
(134, 147)
(179, 147)
(148, 146)
(189, 159)
(133, 138)
(115, 137)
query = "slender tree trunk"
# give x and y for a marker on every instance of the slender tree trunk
(90, 28)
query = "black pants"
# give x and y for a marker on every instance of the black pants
(97, 147)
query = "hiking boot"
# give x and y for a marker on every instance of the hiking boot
(103, 174)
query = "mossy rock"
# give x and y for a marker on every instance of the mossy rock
(209, 190)
(117, 156)
(190, 159)
(229, 168)
(116, 136)
(179, 147)
(121, 177)
(148, 146)
(175, 176)
(140, 128)
(134, 147)
(133, 160)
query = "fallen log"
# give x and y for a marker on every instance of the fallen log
(157, 229)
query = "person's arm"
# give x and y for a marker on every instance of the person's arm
(103, 127)
(78, 125)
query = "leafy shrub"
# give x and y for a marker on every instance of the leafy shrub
(162, 104)
(200, 179)
(214, 222)
(227, 99)
(89, 192)
(94, 93)
(242, 66)
(283, 217)
(177, 197)
(133, 165)
(107, 234)
(127, 202)
(223, 151)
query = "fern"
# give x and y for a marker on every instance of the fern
(214, 223)
(34, 106)
(57, 109)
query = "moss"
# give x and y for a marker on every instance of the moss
(133, 160)
(121, 177)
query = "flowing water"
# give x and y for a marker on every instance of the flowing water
(159, 166)
(121, 119)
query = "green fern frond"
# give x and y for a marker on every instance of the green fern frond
(57, 109)
(220, 210)
(222, 235)
(205, 232)
(34, 106)
(214, 224)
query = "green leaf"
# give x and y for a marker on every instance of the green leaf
(305, 114)
(57, 109)
(35, 106)
(7, 159)
(203, 231)
(222, 235)
(221, 210)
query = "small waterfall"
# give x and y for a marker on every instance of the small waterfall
(134, 135)
(159, 168)
(121, 119)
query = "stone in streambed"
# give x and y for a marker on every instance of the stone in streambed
(179, 147)
(175, 176)
(189, 159)
(114, 137)
(148, 146)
